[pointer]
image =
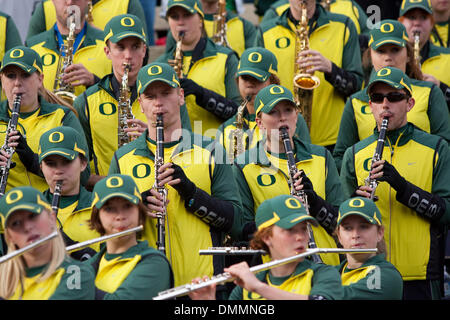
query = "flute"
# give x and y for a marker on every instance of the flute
(231, 251)
(88, 243)
(226, 277)
(31, 246)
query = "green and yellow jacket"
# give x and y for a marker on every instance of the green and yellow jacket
(335, 37)
(10, 35)
(433, 58)
(439, 34)
(139, 273)
(212, 67)
(90, 53)
(429, 113)
(261, 175)
(376, 279)
(202, 161)
(412, 242)
(308, 278)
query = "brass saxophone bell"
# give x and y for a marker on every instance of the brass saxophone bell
(67, 96)
(306, 81)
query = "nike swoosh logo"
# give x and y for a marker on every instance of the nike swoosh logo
(411, 163)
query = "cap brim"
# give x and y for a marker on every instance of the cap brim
(188, 8)
(31, 207)
(417, 6)
(357, 213)
(122, 35)
(294, 219)
(170, 83)
(132, 198)
(399, 42)
(269, 106)
(392, 84)
(25, 67)
(255, 73)
(66, 153)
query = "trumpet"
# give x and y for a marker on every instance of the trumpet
(373, 183)
(301, 193)
(31, 246)
(225, 251)
(226, 277)
(237, 135)
(177, 62)
(124, 107)
(12, 126)
(87, 243)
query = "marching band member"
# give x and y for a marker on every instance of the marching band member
(262, 172)
(441, 14)
(282, 231)
(12, 36)
(22, 74)
(415, 201)
(45, 272)
(207, 70)
(389, 47)
(365, 276)
(63, 156)
(126, 269)
(257, 69)
(202, 195)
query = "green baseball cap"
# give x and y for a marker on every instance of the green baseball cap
(193, 6)
(394, 77)
(124, 26)
(268, 97)
(64, 141)
(22, 198)
(284, 211)
(257, 62)
(413, 4)
(390, 31)
(360, 206)
(25, 58)
(115, 185)
(156, 71)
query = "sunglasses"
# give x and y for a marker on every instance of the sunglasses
(391, 96)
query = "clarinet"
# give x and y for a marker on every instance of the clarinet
(300, 193)
(159, 161)
(373, 183)
(57, 196)
(12, 126)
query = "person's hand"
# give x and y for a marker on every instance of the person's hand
(312, 61)
(430, 78)
(244, 277)
(135, 128)
(384, 171)
(173, 175)
(154, 202)
(205, 293)
(77, 74)
(190, 87)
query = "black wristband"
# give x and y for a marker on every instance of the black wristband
(215, 212)
(343, 81)
(325, 214)
(215, 103)
(29, 159)
(427, 205)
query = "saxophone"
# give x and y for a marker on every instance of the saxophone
(326, 4)
(12, 126)
(373, 183)
(65, 90)
(177, 62)
(292, 169)
(220, 25)
(159, 161)
(124, 107)
(417, 56)
(237, 145)
(304, 82)
(89, 16)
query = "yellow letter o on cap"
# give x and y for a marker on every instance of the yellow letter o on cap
(356, 203)
(293, 203)
(17, 53)
(384, 28)
(127, 22)
(255, 57)
(384, 72)
(14, 196)
(276, 90)
(154, 70)
(114, 182)
(59, 137)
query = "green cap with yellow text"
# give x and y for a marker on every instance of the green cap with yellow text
(64, 141)
(115, 185)
(124, 26)
(390, 31)
(257, 62)
(284, 211)
(157, 71)
(360, 206)
(25, 58)
(268, 97)
(413, 4)
(193, 6)
(394, 77)
(22, 198)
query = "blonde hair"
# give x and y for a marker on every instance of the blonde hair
(12, 272)
(53, 98)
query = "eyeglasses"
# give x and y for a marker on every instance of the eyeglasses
(391, 96)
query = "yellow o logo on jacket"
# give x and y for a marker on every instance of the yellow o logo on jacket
(114, 182)
(14, 196)
(293, 203)
(127, 22)
(59, 137)
(16, 53)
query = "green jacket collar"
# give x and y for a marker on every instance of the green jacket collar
(84, 199)
(397, 137)
(44, 108)
(319, 19)
(376, 259)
